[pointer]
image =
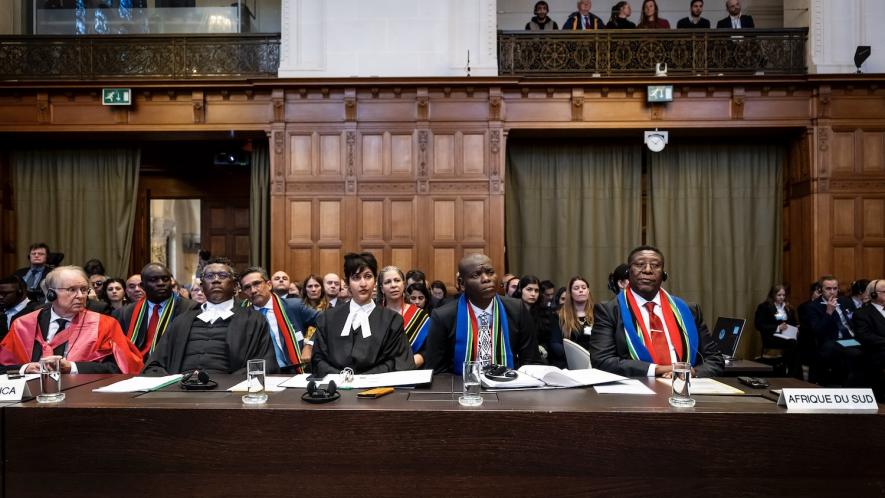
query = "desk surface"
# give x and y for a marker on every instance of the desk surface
(528, 443)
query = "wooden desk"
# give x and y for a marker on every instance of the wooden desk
(736, 368)
(421, 442)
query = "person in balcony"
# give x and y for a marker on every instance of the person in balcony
(583, 19)
(541, 21)
(650, 18)
(735, 20)
(694, 20)
(619, 19)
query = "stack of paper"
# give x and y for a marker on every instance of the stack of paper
(790, 333)
(544, 375)
(366, 381)
(629, 386)
(139, 384)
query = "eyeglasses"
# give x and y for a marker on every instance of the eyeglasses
(73, 290)
(216, 275)
(640, 265)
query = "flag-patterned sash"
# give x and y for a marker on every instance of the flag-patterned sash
(680, 324)
(466, 335)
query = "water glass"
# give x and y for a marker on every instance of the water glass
(50, 380)
(470, 378)
(681, 397)
(255, 381)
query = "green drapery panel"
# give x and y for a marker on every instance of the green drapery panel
(259, 208)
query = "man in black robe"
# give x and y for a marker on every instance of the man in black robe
(475, 314)
(218, 337)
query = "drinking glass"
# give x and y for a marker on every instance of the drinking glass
(255, 379)
(681, 397)
(470, 377)
(50, 380)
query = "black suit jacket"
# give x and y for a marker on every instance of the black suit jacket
(869, 329)
(824, 326)
(746, 23)
(439, 350)
(767, 324)
(608, 344)
(35, 294)
(685, 23)
(386, 350)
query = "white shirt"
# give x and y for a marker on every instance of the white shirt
(333, 302)
(736, 22)
(11, 312)
(50, 334)
(781, 313)
(640, 301)
(212, 312)
(151, 307)
(272, 322)
(358, 319)
(880, 308)
(479, 311)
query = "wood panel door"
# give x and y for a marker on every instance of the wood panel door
(225, 230)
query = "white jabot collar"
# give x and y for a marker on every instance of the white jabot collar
(212, 312)
(358, 319)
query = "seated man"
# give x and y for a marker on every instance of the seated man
(869, 328)
(361, 336)
(88, 342)
(216, 337)
(735, 20)
(583, 19)
(146, 320)
(830, 324)
(287, 319)
(694, 21)
(14, 302)
(280, 283)
(480, 325)
(645, 329)
(37, 269)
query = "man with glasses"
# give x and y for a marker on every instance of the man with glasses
(37, 269)
(146, 320)
(217, 337)
(645, 329)
(86, 341)
(287, 319)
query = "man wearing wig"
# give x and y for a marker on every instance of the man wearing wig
(645, 329)
(480, 325)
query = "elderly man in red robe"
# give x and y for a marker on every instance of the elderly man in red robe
(88, 342)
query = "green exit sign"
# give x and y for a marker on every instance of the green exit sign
(116, 96)
(660, 93)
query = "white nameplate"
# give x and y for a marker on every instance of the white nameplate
(828, 399)
(13, 389)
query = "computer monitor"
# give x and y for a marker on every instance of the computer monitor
(727, 334)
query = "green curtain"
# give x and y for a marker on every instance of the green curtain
(259, 208)
(715, 211)
(79, 201)
(572, 208)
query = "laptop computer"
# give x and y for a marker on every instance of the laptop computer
(727, 334)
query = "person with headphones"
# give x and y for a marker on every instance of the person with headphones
(646, 329)
(869, 330)
(86, 341)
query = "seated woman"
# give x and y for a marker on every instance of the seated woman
(361, 336)
(314, 297)
(113, 292)
(772, 317)
(529, 292)
(575, 320)
(650, 19)
(416, 321)
(420, 296)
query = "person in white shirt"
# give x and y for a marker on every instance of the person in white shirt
(735, 20)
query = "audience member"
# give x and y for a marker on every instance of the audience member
(416, 321)
(560, 297)
(415, 276)
(574, 320)
(646, 329)
(529, 292)
(216, 337)
(854, 301)
(96, 281)
(37, 269)
(332, 288)
(869, 328)
(619, 19)
(503, 284)
(438, 292)
(541, 21)
(619, 278)
(14, 302)
(313, 293)
(735, 20)
(772, 317)
(694, 19)
(511, 286)
(113, 292)
(343, 295)
(197, 294)
(480, 326)
(87, 342)
(548, 293)
(583, 19)
(360, 336)
(650, 18)
(134, 290)
(829, 322)
(420, 296)
(295, 289)
(94, 267)
(280, 282)
(287, 319)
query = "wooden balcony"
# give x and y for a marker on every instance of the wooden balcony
(613, 53)
(114, 57)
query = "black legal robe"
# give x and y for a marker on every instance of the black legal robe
(386, 350)
(247, 339)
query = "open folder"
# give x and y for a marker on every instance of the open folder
(543, 375)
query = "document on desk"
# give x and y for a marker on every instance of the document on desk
(791, 333)
(271, 385)
(139, 384)
(27, 377)
(366, 381)
(629, 386)
(707, 386)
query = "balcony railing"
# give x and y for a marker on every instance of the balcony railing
(611, 53)
(136, 57)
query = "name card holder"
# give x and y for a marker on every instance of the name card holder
(13, 389)
(811, 400)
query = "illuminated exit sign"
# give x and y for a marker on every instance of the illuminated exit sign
(660, 93)
(116, 96)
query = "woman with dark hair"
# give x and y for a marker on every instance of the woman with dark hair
(420, 296)
(314, 297)
(416, 321)
(560, 297)
(619, 19)
(529, 291)
(650, 19)
(113, 292)
(575, 319)
(361, 336)
(438, 292)
(772, 317)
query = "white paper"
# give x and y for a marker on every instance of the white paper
(271, 385)
(139, 384)
(366, 381)
(706, 386)
(27, 377)
(790, 333)
(629, 386)
(522, 380)
(554, 376)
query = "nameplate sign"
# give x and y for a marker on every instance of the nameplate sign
(828, 399)
(13, 389)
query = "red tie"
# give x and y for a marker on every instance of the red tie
(152, 327)
(658, 339)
